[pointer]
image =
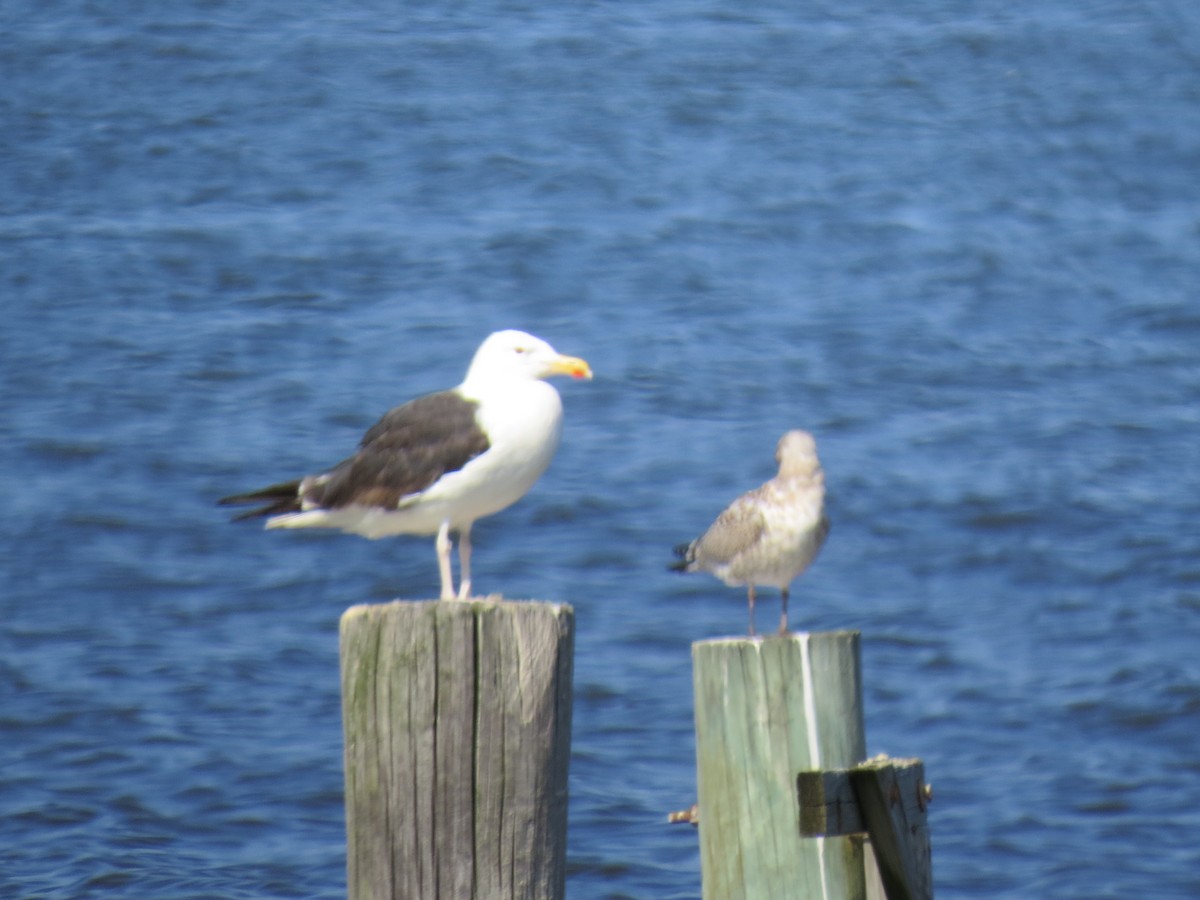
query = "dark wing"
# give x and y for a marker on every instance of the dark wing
(279, 498)
(403, 453)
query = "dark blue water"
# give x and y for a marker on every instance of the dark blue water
(959, 245)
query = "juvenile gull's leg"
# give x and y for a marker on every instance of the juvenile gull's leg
(750, 595)
(783, 616)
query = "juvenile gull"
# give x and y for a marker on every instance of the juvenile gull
(771, 534)
(439, 462)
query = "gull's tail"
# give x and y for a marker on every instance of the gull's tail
(686, 557)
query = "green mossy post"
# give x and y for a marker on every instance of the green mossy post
(766, 709)
(457, 721)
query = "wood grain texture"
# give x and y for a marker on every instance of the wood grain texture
(767, 709)
(457, 722)
(828, 805)
(893, 799)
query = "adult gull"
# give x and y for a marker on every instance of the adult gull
(440, 462)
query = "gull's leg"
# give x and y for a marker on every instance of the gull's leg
(443, 555)
(750, 594)
(783, 616)
(464, 562)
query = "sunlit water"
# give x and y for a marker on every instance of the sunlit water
(960, 247)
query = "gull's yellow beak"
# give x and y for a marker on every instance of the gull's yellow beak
(571, 365)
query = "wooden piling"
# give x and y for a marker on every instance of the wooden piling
(766, 709)
(457, 722)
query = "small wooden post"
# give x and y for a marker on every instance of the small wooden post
(457, 721)
(885, 798)
(766, 709)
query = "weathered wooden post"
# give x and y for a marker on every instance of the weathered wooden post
(457, 720)
(767, 709)
(886, 799)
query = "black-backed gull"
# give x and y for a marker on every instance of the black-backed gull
(440, 462)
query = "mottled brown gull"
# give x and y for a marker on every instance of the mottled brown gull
(770, 535)
(440, 462)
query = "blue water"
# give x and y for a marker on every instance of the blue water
(959, 244)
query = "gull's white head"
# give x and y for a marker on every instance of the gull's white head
(796, 454)
(515, 354)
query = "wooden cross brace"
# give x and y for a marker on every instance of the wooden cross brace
(887, 799)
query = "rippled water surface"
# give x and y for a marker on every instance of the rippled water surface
(960, 246)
